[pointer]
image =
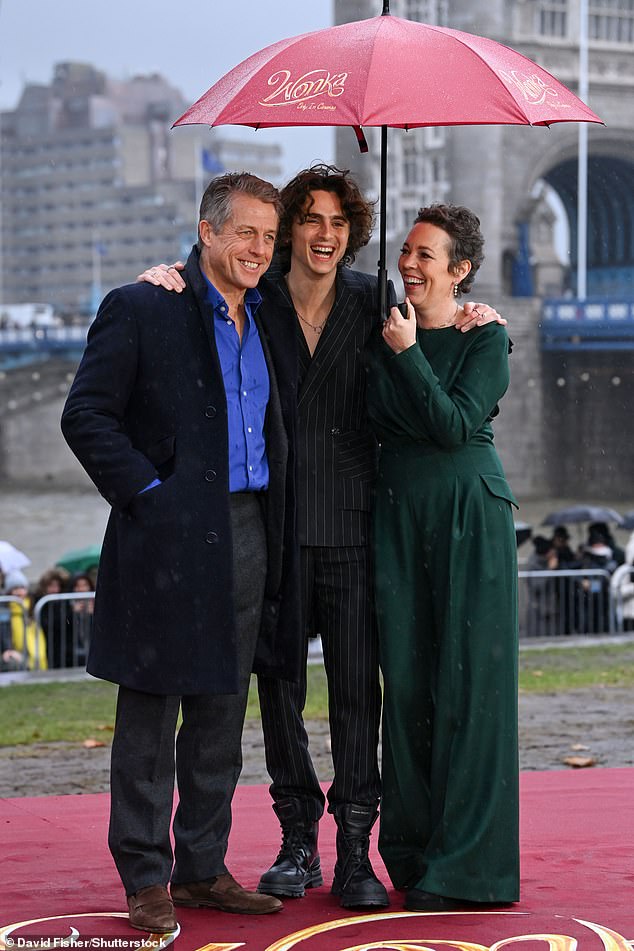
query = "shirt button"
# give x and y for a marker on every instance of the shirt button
(244, 392)
(222, 309)
(210, 412)
(211, 538)
(229, 322)
(249, 430)
(210, 475)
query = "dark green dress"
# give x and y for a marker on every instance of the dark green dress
(446, 588)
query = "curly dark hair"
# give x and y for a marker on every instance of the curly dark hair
(466, 240)
(327, 178)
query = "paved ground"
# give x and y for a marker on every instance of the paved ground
(596, 723)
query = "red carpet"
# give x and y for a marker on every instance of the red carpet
(577, 880)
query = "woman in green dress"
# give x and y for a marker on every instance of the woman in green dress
(446, 584)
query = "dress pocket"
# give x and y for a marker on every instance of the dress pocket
(499, 487)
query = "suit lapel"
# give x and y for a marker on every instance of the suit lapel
(341, 325)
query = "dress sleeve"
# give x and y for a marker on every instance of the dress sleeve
(451, 417)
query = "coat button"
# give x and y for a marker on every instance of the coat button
(210, 475)
(211, 538)
(210, 412)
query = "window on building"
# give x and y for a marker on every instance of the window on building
(411, 160)
(611, 21)
(427, 11)
(552, 17)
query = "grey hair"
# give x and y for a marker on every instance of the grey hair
(216, 205)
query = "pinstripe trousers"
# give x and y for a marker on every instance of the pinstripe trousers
(338, 602)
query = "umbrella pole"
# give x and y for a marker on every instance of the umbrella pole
(383, 310)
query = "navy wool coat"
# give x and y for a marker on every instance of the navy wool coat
(148, 401)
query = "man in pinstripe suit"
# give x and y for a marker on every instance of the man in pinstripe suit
(326, 312)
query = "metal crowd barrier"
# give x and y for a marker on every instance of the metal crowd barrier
(56, 636)
(622, 591)
(563, 602)
(551, 604)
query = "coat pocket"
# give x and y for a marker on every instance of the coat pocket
(356, 455)
(161, 455)
(356, 459)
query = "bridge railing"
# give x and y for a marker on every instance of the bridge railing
(48, 339)
(593, 324)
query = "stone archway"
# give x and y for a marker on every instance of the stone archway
(610, 221)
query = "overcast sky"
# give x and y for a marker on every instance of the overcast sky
(191, 42)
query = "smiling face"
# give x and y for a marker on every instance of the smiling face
(237, 257)
(319, 240)
(424, 266)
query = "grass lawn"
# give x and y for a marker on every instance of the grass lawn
(42, 713)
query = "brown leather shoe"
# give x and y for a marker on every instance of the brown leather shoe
(224, 893)
(151, 909)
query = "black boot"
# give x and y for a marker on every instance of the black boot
(297, 865)
(355, 881)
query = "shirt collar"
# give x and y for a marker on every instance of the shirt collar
(252, 297)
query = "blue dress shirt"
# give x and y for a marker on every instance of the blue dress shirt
(246, 381)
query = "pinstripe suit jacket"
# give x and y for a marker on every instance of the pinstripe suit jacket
(336, 450)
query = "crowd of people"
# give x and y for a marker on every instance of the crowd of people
(573, 604)
(62, 638)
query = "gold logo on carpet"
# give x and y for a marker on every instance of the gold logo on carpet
(13, 937)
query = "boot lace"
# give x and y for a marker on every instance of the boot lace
(294, 845)
(356, 858)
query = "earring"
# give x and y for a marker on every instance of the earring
(455, 290)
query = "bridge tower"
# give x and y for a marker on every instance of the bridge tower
(522, 181)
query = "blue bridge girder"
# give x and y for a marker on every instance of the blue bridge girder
(593, 324)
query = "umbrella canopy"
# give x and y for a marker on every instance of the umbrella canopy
(583, 513)
(80, 559)
(11, 558)
(386, 71)
(628, 521)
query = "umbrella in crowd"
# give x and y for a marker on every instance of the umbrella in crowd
(80, 559)
(386, 71)
(628, 521)
(11, 558)
(583, 513)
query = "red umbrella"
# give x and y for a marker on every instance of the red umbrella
(386, 71)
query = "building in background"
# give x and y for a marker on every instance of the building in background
(94, 185)
(522, 182)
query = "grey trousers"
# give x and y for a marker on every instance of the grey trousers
(207, 759)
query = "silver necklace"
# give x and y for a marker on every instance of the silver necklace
(451, 321)
(316, 328)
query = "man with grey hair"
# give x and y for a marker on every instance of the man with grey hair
(180, 413)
